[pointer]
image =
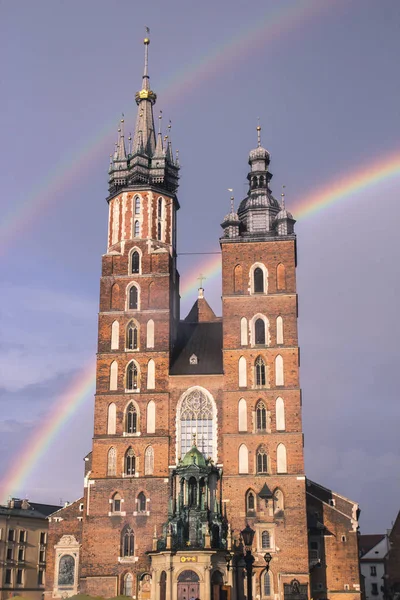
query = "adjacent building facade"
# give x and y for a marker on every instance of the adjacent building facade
(197, 427)
(23, 548)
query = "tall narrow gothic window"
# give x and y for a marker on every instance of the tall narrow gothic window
(115, 297)
(136, 229)
(159, 231)
(243, 331)
(280, 414)
(281, 277)
(281, 459)
(130, 461)
(111, 419)
(131, 419)
(131, 376)
(132, 336)
(261, 416)
(135, 262)
(151, 417)
(265, 539)
(196, 418)
(151, 375)
(137, 205)
(262, 462)
(242, 372)
(267, 585)
(149, 461)
(112, 462)
(160, 208)
(279, 378)
(133, 297)
(260, 372)
(150, 334)
(259, 331)
(141, 502)
(128, 542)
(242, 409)
(115, 335)
(128, 585)
(258, 280)
(243, 459)
(279, 330)
(114, 375)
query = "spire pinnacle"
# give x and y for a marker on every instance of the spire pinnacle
(283, 197)
(232, 200)
(258, 133)
(121, 151)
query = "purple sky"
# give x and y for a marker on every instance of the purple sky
(327, 92)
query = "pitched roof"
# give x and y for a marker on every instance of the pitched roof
(200, 312)
(204, 341)
(33, 510)
(368, 541)
(265, 492)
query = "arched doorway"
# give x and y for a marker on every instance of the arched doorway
(163, 585)
(145, 587)
(188, 585)
(217, 581)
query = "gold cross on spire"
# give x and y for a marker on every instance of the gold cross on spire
(201, 278)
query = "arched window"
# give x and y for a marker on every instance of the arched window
(132, 336)
(258, 280)
(116, 502)
(259, 331)
(242, 415)
(133, 297)
(281, 277)
(262, 462)
(243, 331)
(280, 414)
(238, 279)
(261, 416)
(115, 335)
(137, 205)
(254, 182)
(141, 503)
(279, 505)
(128, 542)
(163, 585)
(131, 425)
(112, 462)
(279, 378)
(265, 540)
(151, 375)
(115, 297)
(132, 376)
(197, 416)
(243, 459)
(111, 419)
(159, 231)
(128, 584)
(250, 502)
(136, 229)
(130, 462)
(114, 375)
(149, 461)
(281, 459)
(150, 334)
(160, 208)
(66, 571)
(266, 585)
(279, 330)
(135, 262)
(242, 372)
(151, 294)
(261, 184)
(151, 417)
(260, 369)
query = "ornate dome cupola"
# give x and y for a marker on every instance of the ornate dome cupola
(231, 223)
(259, 209)
(148, 162)
(284, 222)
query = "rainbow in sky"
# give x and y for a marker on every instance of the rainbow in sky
(272, 27)
(341, 189)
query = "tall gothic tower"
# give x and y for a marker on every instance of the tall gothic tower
(197, 426)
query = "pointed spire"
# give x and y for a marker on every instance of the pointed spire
(111, 164)
(177, 158)
(130, 143)
(159, 146)
(145, 99)
(121, 155)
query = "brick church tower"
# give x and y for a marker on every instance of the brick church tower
(197, 426)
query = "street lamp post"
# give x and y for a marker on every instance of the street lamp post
(248, 537)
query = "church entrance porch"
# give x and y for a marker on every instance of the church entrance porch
(188, 585)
